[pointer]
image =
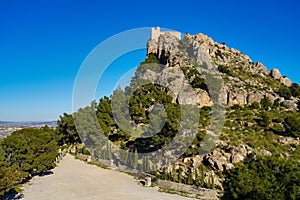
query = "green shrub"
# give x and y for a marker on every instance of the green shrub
(255, 105)
(266, 103)
(285, 92)
(225, 70)
(292, 125)
(265, 120)
(295, 90)
(263, 178)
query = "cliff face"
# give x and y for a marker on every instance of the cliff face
(244, 82)
(219, 74)
(241, 111)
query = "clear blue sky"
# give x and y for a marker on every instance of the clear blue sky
(43, 42)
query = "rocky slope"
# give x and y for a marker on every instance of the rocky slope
(246, 112)
(245, 82)
(242, 83)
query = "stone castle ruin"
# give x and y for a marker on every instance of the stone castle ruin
(155, 33)
(169, 41)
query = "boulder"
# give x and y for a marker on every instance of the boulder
(197, 161)
(260, 68)
(272, 97)
(288, 140)
(208, 176)
(238, 96)
(238, 154)
(228, 166)
(203, 98)
(290, 104)
(255, 97)
(236, 157)
(286, 81)
(264, 152)
(275, 73)
(216, 160)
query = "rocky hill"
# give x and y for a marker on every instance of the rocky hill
(243, 119)
(259, 104)
(200, 118)
(245, 82)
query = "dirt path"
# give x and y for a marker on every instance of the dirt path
(76, 180)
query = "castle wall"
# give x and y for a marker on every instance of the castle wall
(155, 33)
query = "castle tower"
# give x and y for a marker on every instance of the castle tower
(152, 45)
(155, 32)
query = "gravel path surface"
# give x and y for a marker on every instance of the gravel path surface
(75, 180)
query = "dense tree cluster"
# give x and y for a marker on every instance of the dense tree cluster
(264, 178)
(66, 130)
(292, 124)
(285, 92)
(25, 153)
(288, 92)
(32, 151)
(295, 90)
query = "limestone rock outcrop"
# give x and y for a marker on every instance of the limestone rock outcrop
(227, 72)
(243, 81)
(286, 81)
(275, 73)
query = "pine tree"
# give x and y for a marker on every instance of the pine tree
(174, 174)
(164, 174)
(190, 177)
(202, 176)
(135, 159)
(108, 151)
(212, 182)
(144, 164)
(180, 175)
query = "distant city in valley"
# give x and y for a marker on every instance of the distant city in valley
(6, 128)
